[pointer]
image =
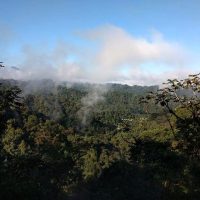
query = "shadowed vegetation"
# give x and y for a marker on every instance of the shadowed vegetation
(136, 142)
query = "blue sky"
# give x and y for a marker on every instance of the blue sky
(42, 24)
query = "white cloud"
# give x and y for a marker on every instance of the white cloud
(118, 48)
(118, 56)
(43, 62)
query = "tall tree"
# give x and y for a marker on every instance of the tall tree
(181, 99)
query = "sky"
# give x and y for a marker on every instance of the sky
(140, 42)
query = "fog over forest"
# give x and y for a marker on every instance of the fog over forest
(99, 100)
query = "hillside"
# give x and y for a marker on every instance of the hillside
(97, 141)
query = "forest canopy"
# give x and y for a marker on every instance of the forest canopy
(93, 141)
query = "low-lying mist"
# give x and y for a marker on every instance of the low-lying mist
(111, 55)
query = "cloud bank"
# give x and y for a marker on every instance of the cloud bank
(115, 56)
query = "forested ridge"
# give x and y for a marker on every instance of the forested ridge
(99, 141)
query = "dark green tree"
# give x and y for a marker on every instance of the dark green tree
(181, 100)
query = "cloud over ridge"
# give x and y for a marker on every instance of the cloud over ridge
(118, 57)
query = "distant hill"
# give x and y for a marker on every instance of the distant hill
(45, 85)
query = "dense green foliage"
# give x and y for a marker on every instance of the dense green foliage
(99, 141)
